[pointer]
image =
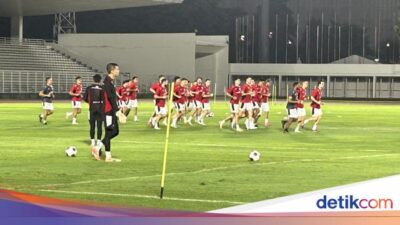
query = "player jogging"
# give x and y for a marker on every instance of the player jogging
(291, 108)
(47, 94)
(301, 111)
(205, 101)
(161, 97)
(265, 94)
(316, 98)
(76, 93)
(133, 90)
(123, 97)
(235, 93)
(94, 96)
(153, 90)
(180, 100)
(247, 104)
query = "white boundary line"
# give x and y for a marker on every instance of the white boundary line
(142, 196)
(212, 169)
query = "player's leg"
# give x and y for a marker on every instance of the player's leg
(135, 110)
(92, 123)
(68, 115)
(300, 121)
(229, 118)
(112, 133)
(318, 116)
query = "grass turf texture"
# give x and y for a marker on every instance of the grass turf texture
(356, 142)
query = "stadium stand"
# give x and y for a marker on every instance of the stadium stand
(24, 65)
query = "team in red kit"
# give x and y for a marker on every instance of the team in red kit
(249, 106)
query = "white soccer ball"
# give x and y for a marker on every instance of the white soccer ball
(71, 151)
(254, 156)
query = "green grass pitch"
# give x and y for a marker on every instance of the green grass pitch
(207, 167)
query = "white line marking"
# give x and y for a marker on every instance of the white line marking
(212, 170)
(142, 196)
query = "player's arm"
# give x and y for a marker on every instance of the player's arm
(160, 96)
(176, 94)
(291, 100)
(42, 94)
(314, 100)
(118, 95)
(228, 92)
(208, 96)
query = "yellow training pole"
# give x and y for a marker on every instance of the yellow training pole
(167, 139)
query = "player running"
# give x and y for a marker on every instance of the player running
(205, 102)
(47, 94)
(235, 93)
(133, 90)
(247, 104)
(301, 111)
(191, 106)
(197, 92)
(180, 100)
(76, 93)
(316, 98)
(94, 96)
(161, 97)
(256, 89)
(291, 108)
(123, 97)
(265, 94)
(153, 89)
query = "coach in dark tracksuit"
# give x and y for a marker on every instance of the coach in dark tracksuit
(94, 96)
(110, 110)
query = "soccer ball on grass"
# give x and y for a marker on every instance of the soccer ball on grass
(71, 151)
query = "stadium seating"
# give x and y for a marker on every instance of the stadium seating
(24, 65)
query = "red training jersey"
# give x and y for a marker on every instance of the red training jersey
(301, 96)
(123, 93)
(264, 94)
(199, 90)
(236, 92)
(76, 89)
(246, 89)
(162, 91)
(206, 91)
(257, 90)
(317, 94)
(133, 90)
(155, 86)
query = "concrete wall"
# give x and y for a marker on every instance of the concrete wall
(147, 55)
(212, 60)
(342, 80)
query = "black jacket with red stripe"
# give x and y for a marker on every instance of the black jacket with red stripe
(110, 96)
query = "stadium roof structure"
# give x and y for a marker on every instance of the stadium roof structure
(354, 59)
(10, 8)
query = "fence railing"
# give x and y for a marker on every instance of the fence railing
(27, 82)
(7, 40)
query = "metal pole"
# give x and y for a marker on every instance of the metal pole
(322, 39)
(340, 39)
(287, 38)
(276, 37)
(297, 37)
(317, 44)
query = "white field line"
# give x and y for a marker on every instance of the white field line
(211, 170)
(142, 196)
